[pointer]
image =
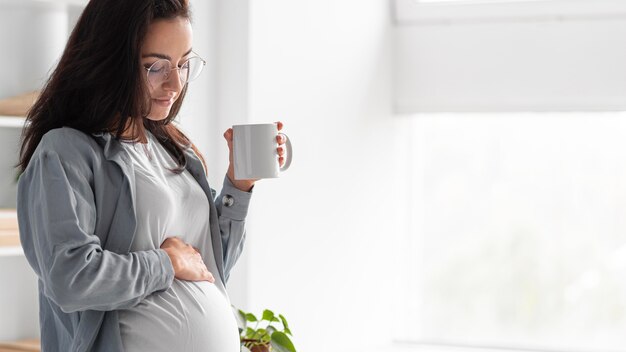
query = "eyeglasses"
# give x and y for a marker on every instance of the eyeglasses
(160, 71)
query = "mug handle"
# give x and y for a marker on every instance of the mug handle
(289, 153)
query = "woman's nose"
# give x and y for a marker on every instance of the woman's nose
(173, 81)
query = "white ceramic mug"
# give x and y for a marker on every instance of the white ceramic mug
(254, 151)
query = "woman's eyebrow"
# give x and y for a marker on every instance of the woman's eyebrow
(163, 56)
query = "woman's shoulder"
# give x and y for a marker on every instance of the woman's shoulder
(69, 143)
(67, 137)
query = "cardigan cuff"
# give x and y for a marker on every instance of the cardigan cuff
(233, 202)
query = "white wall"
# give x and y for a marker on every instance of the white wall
(322, 239)
(198, 114)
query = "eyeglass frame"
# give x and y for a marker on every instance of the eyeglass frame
(196, 56)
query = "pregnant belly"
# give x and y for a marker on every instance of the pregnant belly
(189, 316)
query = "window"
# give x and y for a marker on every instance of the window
(428, 11)
(517, 235)
(518, 231)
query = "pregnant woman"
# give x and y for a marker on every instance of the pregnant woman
(131, 246)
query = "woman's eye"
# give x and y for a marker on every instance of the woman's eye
(155, 68)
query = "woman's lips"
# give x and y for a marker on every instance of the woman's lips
(167, 102)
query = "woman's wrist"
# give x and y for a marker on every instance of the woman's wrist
(242, 185)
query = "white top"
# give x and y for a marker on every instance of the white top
(189, 316)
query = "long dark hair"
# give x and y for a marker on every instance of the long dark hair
(98, 84)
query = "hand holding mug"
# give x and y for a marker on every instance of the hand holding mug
(257, 151)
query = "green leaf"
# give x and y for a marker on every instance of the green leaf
(266, 339)
(287, 331)
(281, 342)
(284, 320)
(268, 315)
(251, 318)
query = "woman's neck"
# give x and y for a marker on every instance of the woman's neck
(134, 132)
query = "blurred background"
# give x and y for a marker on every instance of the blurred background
(459, 174)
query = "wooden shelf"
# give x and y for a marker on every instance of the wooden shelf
(9, 234)
(23, 345)
(9, 238)
(10, 243)
(12, 121)
(44, 2)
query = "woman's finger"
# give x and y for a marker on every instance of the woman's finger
(208, 276)
(281, 161)
(280, 139)
(280, 151)
(204, 272)
(228, 135)
(279, 125)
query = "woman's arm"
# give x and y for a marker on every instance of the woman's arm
(57, 216)
(232, 204)
(232, 208)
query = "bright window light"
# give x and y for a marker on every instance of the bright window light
(518, 231)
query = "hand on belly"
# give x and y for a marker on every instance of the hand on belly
(186, 260)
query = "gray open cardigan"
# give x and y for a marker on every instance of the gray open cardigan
(76, 215)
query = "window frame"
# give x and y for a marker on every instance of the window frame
(412, 12)
(472, 36)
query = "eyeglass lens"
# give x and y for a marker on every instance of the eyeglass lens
(160, 71)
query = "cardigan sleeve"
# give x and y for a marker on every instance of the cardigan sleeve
(232, 208)
(57, 216)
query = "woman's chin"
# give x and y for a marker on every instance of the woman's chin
(158, 114)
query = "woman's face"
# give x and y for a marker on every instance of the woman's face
(171, 40)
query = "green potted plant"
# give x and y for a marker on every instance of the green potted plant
(269, 333)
